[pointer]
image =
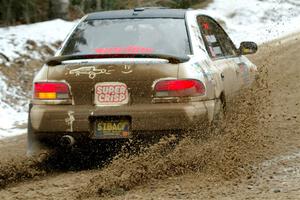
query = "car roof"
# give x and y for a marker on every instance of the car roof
(139, 13)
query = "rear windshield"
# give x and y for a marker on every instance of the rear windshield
(129, 36)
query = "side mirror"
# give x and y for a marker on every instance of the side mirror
(248, 48)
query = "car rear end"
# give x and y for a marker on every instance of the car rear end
(114, 78)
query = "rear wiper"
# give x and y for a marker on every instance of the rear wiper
(171, 58)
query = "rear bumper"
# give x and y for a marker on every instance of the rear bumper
(71, 119)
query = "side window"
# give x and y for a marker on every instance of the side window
(217, 42)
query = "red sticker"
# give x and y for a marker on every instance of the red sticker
(205, 26)
(121, 50)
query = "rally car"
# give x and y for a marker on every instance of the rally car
(128, 72)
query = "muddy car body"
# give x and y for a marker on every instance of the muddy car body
(119, 73)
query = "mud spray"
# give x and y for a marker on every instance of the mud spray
(18, 169)
(225, 151)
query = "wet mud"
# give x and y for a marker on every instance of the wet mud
(224, 150)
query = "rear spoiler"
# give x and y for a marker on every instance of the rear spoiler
(116, 59)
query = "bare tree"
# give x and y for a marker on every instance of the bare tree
(99, 4)
(59, 8)
(6, 10)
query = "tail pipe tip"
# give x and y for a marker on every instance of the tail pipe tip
(67, 141)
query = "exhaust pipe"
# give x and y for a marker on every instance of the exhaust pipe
(67, 141)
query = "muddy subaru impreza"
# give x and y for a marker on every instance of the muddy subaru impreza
(146, 70)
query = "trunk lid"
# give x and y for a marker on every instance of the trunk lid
(138, 77)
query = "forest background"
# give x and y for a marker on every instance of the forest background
(14, 12)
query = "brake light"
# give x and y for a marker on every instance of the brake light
(179, 88)
(51, 91)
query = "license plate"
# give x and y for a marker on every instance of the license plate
(112, 128)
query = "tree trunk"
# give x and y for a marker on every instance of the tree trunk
(60, 8)
(26, 12)
(99, 5)
(8, 16)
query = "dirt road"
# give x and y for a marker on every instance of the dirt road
(253, 154)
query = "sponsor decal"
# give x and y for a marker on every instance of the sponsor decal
(124, 50)
(213, 54)
(244, 69)
(205, 70)
(216, 51)
(111, 93)
(196, 65)
(205, 26)
(211, 38)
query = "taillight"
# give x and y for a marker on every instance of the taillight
(51, 91)
(179, 88)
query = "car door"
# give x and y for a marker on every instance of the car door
(222, 52)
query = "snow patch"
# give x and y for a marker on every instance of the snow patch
(256, 20)
(14, 44)
(10, 117)
(13, 39)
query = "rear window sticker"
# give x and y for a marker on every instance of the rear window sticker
(213, 54)
(218, 51)
(205, 26)
(211, 38)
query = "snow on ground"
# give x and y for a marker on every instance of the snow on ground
(10, 120)
(13, 39)
(255, 20)
(13, 44)
(10, 117)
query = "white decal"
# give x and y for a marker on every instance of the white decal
(70, 120)
(92, 71)
(218, 51)
(127, 69)
(204, 69)
(111, 93)
(211, 38)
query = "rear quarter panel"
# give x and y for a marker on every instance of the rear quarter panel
(201, 66)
